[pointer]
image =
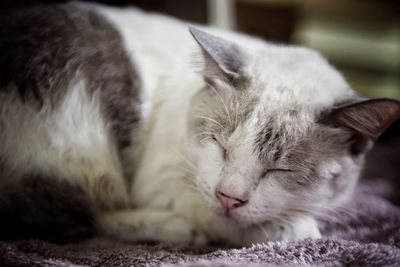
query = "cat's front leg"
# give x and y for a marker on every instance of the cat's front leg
(297, 228)
(301, 228)
(149, 225)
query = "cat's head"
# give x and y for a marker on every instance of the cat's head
(277, 132)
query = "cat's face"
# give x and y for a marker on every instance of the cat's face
(260, 168)
(265, 139)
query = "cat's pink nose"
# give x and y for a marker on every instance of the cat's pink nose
(230, 202)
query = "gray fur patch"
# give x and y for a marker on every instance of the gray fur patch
(46, 47)
(45, 208)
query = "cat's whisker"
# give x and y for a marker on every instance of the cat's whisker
(187, 173)
(183, 157)
(277, 219)
(237, 111)
(189, 165)
(186, 165)
(192, 191)
(212, 120)
(222, 101)
(188, 177)
(190, 185)
(282, 220)
(324, 212)
(354, 213)
(202, 133)
(263, 230)
(205, 138)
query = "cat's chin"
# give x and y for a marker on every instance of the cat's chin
(233, 218)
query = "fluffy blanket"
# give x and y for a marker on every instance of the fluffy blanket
(365, 233)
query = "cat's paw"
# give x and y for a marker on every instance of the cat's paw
(107, 192)
(150, 225)
(178, 230)
(305, 227)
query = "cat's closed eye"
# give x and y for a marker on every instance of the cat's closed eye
(218, 141)
(266, 172)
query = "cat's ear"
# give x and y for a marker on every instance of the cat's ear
(223, 59)
(366, 119)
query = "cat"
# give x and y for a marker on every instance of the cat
(151, 130)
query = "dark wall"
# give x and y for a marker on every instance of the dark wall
(190, 10)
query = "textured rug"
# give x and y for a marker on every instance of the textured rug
(365, 233)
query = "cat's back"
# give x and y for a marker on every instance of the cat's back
(47, 46)
(49, 49)
(69, 102)
(69, 97)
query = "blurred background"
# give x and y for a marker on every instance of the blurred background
(360, 37)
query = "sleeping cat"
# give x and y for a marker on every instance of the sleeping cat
(167, 133)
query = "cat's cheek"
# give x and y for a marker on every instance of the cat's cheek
(266, 202)
(330, 170)
(193, 151)
(209, 166)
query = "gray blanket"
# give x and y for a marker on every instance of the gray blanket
(365, 233)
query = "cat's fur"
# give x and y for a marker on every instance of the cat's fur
(108, 101)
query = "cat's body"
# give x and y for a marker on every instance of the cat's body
(252, 149)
